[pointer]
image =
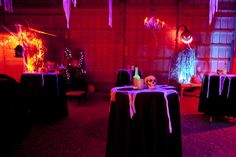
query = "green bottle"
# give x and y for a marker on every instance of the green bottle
(136, 75)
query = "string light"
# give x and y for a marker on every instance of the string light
(34, 50)
(11, 39)
(80, 66)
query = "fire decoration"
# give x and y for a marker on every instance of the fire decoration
(33, 49)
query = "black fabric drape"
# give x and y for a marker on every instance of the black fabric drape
(45, 94)
(147, 133)
(218, 103)
(119, 130)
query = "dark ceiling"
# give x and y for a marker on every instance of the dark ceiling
(36, 3)
(58, 3)
(90, 3)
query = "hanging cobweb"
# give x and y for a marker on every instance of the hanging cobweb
(183, 67)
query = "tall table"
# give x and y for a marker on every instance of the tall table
(144, 123)
(45, 94)
(218, 95)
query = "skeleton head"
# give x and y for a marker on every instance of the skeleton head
(150, 81)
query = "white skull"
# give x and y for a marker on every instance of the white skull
(150, 81)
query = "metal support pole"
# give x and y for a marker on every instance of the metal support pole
(124, 34)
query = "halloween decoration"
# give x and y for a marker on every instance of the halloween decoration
(150, 81)
(183, 67)
(19, 50)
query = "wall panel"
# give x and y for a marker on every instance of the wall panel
(105, 46)
(9, 64)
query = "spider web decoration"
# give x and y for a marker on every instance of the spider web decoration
(183, 67)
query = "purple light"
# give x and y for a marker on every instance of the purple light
(153, 23)
(184, 66)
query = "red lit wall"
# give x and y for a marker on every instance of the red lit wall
(9, 64)
(128, 42)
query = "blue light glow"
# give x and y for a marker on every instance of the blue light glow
(184, 66)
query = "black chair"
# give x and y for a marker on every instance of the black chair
(4, 76)
(15, 114)
(77, 88)
(125, 77)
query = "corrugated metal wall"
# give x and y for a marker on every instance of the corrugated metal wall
(128, 42)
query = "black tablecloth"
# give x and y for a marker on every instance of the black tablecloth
(218, 95)
(147, 133)
(45, 94)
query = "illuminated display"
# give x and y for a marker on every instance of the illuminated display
(33, 47)
(184, 67)
(153, 23)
